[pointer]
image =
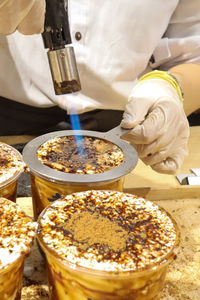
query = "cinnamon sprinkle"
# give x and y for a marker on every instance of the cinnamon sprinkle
(89, 229)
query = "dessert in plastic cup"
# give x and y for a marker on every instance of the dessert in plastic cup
(61, 154)
(106, 245)
(17, 232)
(11, 166)
(44, 192)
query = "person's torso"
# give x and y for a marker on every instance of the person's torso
(117, 41)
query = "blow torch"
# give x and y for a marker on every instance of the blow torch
(62, 59)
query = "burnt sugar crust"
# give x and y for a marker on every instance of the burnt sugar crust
(80, 155)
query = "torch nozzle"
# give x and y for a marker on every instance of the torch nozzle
(62, 59)
(64, 70)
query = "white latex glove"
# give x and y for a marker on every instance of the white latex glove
(160, 127)
(26, 16)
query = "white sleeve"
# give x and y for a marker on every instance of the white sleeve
(181, 41)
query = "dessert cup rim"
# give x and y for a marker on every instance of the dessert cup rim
(41, 170)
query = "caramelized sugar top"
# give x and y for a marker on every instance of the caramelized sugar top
(80, 155)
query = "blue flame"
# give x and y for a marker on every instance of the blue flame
(76, 126)
(75, 122)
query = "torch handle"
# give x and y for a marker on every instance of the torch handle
(56, 28)
(117, 131)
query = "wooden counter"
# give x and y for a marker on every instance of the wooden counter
(146, 182)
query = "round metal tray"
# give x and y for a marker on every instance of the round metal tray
(113, 136)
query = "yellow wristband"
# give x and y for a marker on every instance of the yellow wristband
(171, 79)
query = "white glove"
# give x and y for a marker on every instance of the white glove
(160, 127)
(26, 16)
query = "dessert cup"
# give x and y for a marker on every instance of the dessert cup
(96, 271)
(58, 166)
(9, 189)
(11, 167)
(44, 191)
(11, 280)
(16, 237)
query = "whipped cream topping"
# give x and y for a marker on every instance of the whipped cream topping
(80, 155)
(17, 232)
(147, 232)
(11, 163)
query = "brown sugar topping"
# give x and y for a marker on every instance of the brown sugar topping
(89, 229)
(85, 155)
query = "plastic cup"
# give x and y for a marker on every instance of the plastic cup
(44, 191)
(17, 232)
(133, 275)
(11, 280)
(11, 167)
(57, 168)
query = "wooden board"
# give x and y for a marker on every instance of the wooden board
(146, 182)
(16, 139)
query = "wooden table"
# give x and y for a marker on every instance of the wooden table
(182, 202)
(146, 182)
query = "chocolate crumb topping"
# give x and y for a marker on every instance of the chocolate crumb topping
(80, 155)
(108, 230)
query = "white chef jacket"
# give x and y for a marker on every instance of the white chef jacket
(117, 41)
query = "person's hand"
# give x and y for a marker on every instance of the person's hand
(160, 127)
(26, 16)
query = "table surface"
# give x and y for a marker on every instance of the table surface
(146, 182)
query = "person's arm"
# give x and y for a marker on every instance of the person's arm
(26, 16)
(160, 127)
(157, 113)
(155, 108)
(189, 77)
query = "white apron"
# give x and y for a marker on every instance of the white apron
(118, 40)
